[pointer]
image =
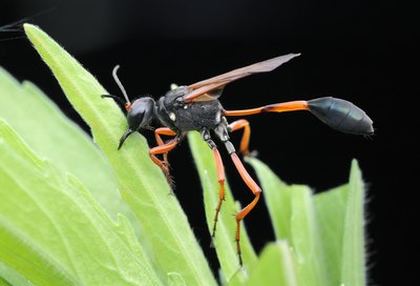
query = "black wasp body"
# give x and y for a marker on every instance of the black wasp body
(197, 107)
(180, 116)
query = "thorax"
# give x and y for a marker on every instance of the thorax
(180, 116)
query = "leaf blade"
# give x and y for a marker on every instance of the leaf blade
(353, 271)
(277, 196)
(12, 277)
(50, 219)
(142, 184)
(331, 209)
(52, 135)
(28, 261)
(276, 266)
(306, 242)
(294, 218)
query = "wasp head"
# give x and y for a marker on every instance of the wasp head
(140, 114)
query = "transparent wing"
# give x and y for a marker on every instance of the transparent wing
(211, 88)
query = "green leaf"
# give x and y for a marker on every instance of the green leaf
(29, 260)
(175, 279)
(54, 233)
(12, 277)
(277, 196)
(331, 210)
(54, 137)
(353, 268)
(328, 241)
(3, 282)
(276, 266)
(292, 212)
(51, 226)
(306, 241)
(143, 186)
(226, 226)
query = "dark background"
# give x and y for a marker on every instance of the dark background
(361, 51)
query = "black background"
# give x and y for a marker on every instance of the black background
(361, 51)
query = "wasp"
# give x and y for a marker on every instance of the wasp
(197, 107)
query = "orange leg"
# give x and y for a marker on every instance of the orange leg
(277, 107)
(221, 179)
(242, 124)
(255, 189)
(163, 148)
(163, 131)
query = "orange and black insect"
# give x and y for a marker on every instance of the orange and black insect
(197, 107)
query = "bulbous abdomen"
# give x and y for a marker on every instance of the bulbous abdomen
(341, 115)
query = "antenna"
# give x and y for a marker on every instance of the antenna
(17, 26)
(117, 80)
